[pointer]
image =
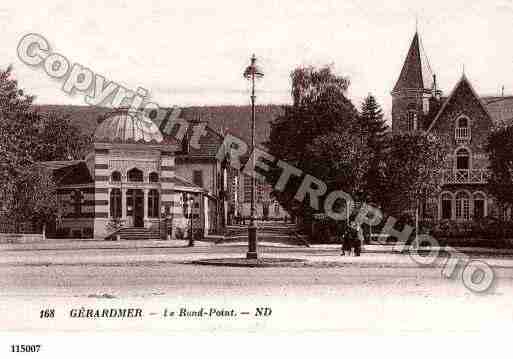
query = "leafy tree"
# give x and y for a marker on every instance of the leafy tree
(411, 171)
(32, 197)
(340, 158)
(319, 134)
(13, 100)
(59, 139)
(19, 143)
(500, 154)
(27, 137)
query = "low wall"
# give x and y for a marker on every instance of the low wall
(20, 237)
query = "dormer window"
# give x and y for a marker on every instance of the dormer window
(462, 130)
(411, 121)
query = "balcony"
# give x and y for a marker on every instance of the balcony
(462, 135)
(466, 176)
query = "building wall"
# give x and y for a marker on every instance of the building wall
(169, 198)
(464, 103)
(402, 103)
(240, 197)
(76, 216)
(123, 158)
(101, 197)
(212, 183)
(208, 169)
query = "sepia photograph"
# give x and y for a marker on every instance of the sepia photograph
(238, 168)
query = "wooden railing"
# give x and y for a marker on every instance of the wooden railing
(462, 133)
(465, 176)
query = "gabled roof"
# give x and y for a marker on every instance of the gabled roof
(55, 165)
(209, 141)
(416, 72)
(181, 184)
(463, 81)
(68, 172)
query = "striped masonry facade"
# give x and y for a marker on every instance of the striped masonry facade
(101, 177)
(167, 174)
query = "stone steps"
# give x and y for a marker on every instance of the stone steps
(134, 233)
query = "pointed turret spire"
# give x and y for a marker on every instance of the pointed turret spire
(416, 72)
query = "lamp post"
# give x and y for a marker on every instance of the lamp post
(252, 73)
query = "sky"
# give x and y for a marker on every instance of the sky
(194, 52)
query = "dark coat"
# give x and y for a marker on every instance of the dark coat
(351, 239)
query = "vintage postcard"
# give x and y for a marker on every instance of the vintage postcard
(240, 167)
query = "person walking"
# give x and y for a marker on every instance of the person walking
(347, 239)
(358, 239)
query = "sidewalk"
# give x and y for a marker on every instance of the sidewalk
(90, 244)
(381, 248)
(73, 244)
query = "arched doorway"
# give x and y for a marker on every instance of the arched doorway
(462, 206)
(135, 206)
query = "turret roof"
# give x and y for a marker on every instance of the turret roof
(416, 72)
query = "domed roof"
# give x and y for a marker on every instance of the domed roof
(126, 126)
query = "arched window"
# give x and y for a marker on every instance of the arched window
(479, 205)
(135, 175)
(116, 176)
(463, 122)
(462, 206)
(462, 159)
(154, 177)
(462, 129)
(446, 206)
(411, 120)
(153, 203)
(115, 203)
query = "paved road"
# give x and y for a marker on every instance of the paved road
(378, 292)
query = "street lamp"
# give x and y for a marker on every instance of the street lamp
(252, 73)
(190, 202)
